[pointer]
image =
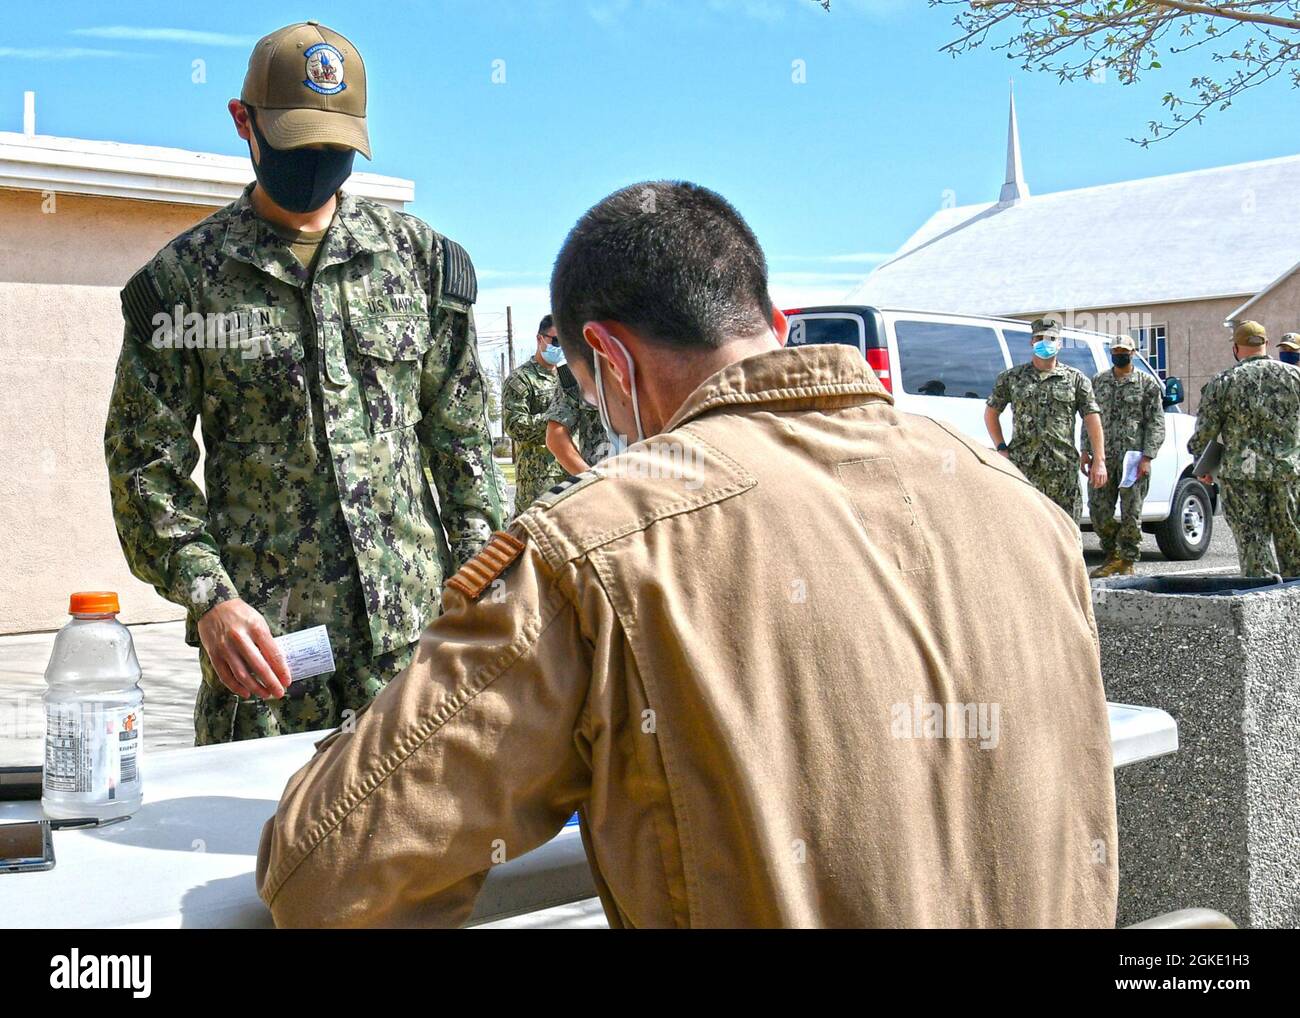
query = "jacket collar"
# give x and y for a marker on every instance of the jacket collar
(249, 238)
(827, 376)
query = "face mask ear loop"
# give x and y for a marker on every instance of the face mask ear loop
(600, 395)
(636, 406)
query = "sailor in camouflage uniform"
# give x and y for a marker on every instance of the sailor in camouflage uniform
(525, 400)
(574, 433)
(1133, 419)
(1253, 409)
(328, 370)
(1044, 395)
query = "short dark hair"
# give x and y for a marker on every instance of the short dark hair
(673, 260)
(546, 322)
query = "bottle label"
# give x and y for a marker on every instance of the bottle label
(92, 749)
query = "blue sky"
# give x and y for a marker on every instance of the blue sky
(831, 173)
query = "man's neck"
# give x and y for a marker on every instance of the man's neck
(1123, 372)
(304, 222)
(1043, 365)
(662, 396)
(542, 361)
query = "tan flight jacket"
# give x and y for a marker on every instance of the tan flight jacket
(800, 660)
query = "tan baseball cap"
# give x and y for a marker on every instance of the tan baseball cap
(1124, 342)
(308, 85)
(1045, 327)
(1291, 341)
(1249, 334)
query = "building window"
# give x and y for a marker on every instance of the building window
(1151, 343)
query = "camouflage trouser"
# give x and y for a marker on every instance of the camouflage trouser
(1122, 538)
(536, 472)
(1061, 486)
(1263, 515)
(221, 716)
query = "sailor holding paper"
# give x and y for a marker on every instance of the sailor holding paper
(1133, 421)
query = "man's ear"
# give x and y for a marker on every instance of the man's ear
(780, 325)
(602, 338)
(239, 114)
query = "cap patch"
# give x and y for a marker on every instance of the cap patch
(475, 575)
(324, 69)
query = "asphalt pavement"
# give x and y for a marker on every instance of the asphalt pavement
(1221, 557)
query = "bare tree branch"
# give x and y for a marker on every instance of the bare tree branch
(1253, 41)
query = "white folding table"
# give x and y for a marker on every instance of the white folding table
(186, 858)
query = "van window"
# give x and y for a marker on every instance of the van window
(1074, 352)
(939, 359)
(806, 330)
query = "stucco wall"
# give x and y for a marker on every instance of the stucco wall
(60, 331)
(1198, 346)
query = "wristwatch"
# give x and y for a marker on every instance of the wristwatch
(1002, 447)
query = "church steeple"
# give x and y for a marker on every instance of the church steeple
(1014, 188)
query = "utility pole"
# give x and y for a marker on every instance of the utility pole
(510, 337)
(502, 399)
(510, 356)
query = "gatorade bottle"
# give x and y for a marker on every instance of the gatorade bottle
(93, 708)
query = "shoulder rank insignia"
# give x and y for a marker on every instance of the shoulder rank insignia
(566, 488)
(474, 576)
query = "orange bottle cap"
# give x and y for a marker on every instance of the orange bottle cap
(93, 602)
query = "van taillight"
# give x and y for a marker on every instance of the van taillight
(878, 358)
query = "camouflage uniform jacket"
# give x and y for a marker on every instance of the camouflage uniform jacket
(526, 399)
(581, 419)
(1253, 408)
(1132, 413)
(1043, 404)
(322, 399)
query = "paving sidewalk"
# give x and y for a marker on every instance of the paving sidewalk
(170, 679)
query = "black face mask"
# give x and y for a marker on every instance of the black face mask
(301, 179)
(1121, 360)
(1289, 356)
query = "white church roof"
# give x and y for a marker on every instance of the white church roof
(1223, 232)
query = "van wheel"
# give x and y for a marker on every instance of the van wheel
(1186, 534)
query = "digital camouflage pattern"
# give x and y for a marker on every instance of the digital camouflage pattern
(524, 403)
(582, 421)
(325, 701)
(321, 405)
(1043, 406)
(1132, 417)
(1266, 525)
(1253, 409)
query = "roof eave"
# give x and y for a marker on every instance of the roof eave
(146, 173)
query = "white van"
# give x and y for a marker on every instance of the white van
(943, 366)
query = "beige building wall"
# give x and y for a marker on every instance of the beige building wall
(1198, 344)
(61, 267)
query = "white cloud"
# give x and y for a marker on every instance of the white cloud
(861, 258)
(63, 53)
(185, 35)
(809, 294)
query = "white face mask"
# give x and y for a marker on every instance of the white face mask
(617, 442)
